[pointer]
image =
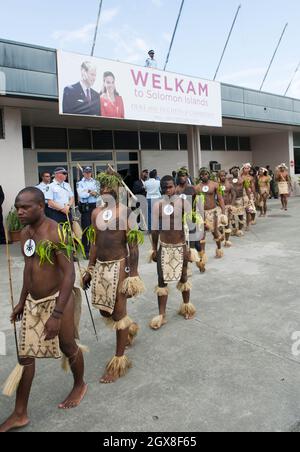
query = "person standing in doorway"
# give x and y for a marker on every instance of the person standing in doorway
(60, 197)
(44, 186)
(152, 187)
(139, 185)
(88, 192)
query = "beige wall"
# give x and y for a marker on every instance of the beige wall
(228, 159)
(271, 149)
(164, 161)
(12, 176)
(31, 164)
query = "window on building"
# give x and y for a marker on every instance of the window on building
(102, 139)
(297, 160)
(2, 125)
(297, 140)
(129, 173)
(26, 137)
(50, 138)
(92, 156)
(150, 141)
(218, 143)
(232, 143)
(169, 141)
(51, 157)
(126, 140)
(183, 142)
(205, 142)
(127, 157)
(245, 144)
(80, 139)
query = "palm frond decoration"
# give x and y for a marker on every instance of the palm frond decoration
(221, 190)
(135, 237)
(44, 250)
(193, 217)
(111, 181)
(68, 244)
(90, 234)
(247, 184)
(198, 198)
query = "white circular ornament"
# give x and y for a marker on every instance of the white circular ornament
(183, 196)
(205, 189)
(235, 181)
(107, 215)
(223, 188)
(29, 248)
(169, 210)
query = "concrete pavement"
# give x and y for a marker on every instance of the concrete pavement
(230, 369)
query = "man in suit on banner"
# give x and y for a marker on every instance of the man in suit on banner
(81, 99)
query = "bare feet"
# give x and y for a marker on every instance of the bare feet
(189, 316)
(108, 379)
(14, 422)
(75, 398)
(158, 322)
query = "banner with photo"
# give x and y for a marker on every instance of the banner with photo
(97, 87)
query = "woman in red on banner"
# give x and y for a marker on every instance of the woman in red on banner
(112, 105)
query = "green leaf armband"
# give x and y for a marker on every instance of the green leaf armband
(91, 235)
(135, 237)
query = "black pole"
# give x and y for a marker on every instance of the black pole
(227, 42)
(97, 26)
(273, 57)
(174, 34)
(293, 78)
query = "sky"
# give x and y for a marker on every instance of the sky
(129, 28)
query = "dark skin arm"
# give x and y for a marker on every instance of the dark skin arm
(19, 309)
(233, 196)
(155, 232)
(17, 314)
(52, 327)
(93, 255)
(220, 199)
(133, 254)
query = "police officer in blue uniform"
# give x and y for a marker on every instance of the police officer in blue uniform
(44, 186)
(60, 197)
(88, 191)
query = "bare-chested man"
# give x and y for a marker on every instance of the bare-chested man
(250, 192)
(214, 214)
(187, 191)
(285, 187)
(229, 196)
(46, 307)
(113, 271)
(170, 251)
(239, 210)
(264, 187)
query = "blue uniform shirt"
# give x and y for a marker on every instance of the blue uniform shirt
(44, 188)
(83, 188)
(59, 193)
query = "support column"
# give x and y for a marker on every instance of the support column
(11, 157)
(194, 150)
